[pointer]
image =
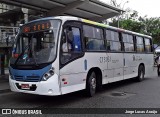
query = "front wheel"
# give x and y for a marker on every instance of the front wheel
(141, 72)
(91, 84)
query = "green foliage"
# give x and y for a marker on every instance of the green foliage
(148, 26)
(130, 20)
(132, 25)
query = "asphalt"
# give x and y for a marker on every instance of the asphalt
(4, 83)
(145, 94)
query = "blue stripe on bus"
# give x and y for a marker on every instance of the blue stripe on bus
(29, 75)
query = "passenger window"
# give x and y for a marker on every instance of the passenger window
(140, 44)
(93, 38)
(128, 42)
(70, 44)
(94, 44)
(93, 32)
(148, 45)
(113, 43)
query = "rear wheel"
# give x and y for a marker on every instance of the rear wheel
(141, 72)
(91, 84)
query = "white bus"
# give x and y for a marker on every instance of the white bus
(59, 55)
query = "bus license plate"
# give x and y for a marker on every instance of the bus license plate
(25, 86)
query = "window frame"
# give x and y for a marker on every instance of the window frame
(95, 27)
(103, 35)
(72, 23)
(151, 45)
(134, 48)
(140, 44)
(120, 41)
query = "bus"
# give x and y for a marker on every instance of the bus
(59, 55)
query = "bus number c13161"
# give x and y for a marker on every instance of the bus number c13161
(105, 59)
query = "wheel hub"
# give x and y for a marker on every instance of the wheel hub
(141, 76)
(93, 83)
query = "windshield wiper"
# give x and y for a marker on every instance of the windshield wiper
(26, 47)
(23, 54)
(32, 52)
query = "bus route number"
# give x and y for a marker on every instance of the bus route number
(105, 59)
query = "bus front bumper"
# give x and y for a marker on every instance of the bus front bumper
(50, 87)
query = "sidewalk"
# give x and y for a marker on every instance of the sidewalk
(4, 83)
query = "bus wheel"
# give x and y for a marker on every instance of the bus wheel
(141, 72)
(91, 84)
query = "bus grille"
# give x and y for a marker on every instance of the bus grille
(27, 78)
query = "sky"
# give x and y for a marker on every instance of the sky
(151, 8)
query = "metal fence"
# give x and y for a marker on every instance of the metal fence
(7, 34)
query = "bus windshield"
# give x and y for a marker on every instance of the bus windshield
(36, 43)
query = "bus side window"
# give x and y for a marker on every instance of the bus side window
(93, 37)
(66, 41)
(71, 44)
(148, 45)
(76, 40)
(112, 41)
(140, 44)
(72, 40)
(65, 47)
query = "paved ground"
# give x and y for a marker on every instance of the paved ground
(4, 85)
(144, 94)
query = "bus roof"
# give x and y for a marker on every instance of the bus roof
(67, 18)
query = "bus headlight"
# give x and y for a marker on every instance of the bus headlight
(47, 75)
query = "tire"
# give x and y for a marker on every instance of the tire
(91, 84)
(99, 83)
(141, 73)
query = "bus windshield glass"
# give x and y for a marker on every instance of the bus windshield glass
(36, 43)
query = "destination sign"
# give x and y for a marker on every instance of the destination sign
(37, 26)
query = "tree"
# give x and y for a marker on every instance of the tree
(152, 27)
(130, 20)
